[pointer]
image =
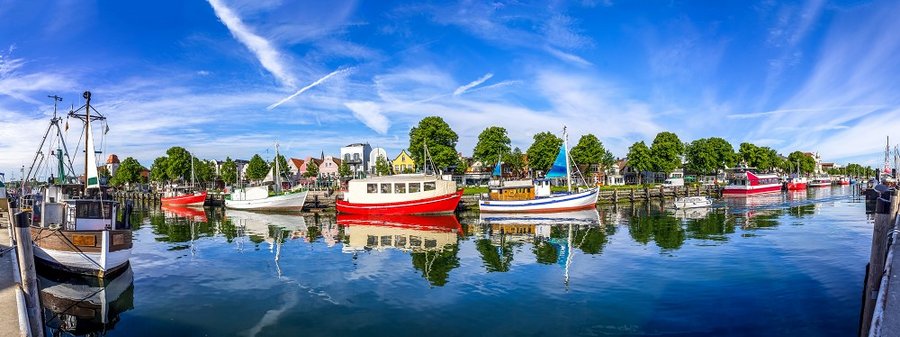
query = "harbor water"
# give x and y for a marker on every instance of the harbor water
(781, 265)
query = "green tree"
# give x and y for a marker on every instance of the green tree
(543, 151)
(590, 151)
(282, 165)
(312, 170)
(639, 159)
(492, 144)
(749, 154)
(382, 167)
(257, 169)
(515, 161)
(343, 170)
(666, 152)
(159, 170)
(178, 163)
(129, 171)
(229, 171)
(805, 162)
(708, 155)
(440, 139)
(202, 172)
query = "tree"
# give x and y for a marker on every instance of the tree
(178, 163)
(805, 162)
(159, 170)
(382, 167)
(229, 171)
(515, 161)
(202, 171)
(343, 170)
(312, 170)
(440, 139)
(257, 169)
(724, 152)
(282, 165)
(639, 159)
(543, 151)
(492, 144)
(708, 155)
(129, 171)
(666, 152)
(590, 151)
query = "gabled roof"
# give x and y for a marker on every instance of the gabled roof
(113, 159)
(297, 162)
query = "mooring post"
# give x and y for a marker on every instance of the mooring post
(885, 210)
(27, 273)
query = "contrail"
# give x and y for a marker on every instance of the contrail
(472, 84)
(310, 86)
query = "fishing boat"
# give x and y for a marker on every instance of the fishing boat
(820, 181)
(844, 181)
(184, 195)
(403, 232)
(693, 202)
(796, 183)
(84, 306)
(745, 182)
(400, 194)
(77, 228)
(257, 198)
(534, 196)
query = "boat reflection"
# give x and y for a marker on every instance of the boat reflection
(698, 213)
(189, 213)
(83, 305)
(268, 226)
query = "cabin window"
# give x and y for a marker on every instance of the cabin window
(385, 240)
(399, 188)
(430, 243)
(415, 241)
(400, 240)
(385, 188)
(429, 186)
(371, 240)
(90, 210)
(371, 188)
(415, 187)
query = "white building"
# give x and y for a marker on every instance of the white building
(373, 158)
(357, 158)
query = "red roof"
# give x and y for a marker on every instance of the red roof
(113, 159)
(297, 162)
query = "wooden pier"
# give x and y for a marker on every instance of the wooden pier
(880, 312)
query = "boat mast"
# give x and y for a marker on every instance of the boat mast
(276, 174)
(192, 170)
(568, 169)
(87, 128)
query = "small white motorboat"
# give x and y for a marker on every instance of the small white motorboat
(693, 202)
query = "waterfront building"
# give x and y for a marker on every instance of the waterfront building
(373, 158)
(295, 164)
(329, 167)
(112, 164)
(403, 163)
(357, 158)
(304, 167)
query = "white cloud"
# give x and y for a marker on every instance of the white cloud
(575, 59)
(370, 114)
(267, 55)
(475, 83)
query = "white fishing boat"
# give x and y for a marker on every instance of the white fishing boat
(693, 202)
(75, 227)
(534, 196)
(257, 198)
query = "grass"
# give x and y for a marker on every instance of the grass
(474, 190)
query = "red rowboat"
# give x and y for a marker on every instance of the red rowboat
(749, 183)
(195, 199)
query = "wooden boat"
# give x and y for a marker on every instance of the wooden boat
(257, 198)
(403, 232)
(84, 306)
(534, 196)
(747, 182)
(693, 202)
(78, 230)
(400, 194)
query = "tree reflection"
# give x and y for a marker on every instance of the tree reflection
(495, 258)
(545, 252)
(660, 227)
(714, 226)
(802, 210)
(592, 239)
(436, 265)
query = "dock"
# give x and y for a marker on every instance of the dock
(9, 316)
(880, 312)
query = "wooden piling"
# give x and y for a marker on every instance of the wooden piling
(885, 212)
(28, 274)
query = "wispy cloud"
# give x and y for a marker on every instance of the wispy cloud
(267, 55)
(568, 57)
(784, 111)
(475, 83)
(370, 114)
(310, 86)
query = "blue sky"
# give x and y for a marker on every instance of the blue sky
(219, 76)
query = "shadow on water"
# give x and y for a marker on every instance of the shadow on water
(75, 305)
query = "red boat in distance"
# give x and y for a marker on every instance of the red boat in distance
(195, 214)
(179, 197)
(796, 184)
(749, 183)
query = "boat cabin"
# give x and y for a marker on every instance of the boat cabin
(520, 190)
(397, 188)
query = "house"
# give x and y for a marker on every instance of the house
(295, 164)
(112, 164)
(309, 161)
(614, 176)
(357, 158)
(373, 158)
(403, 163)
(329, 167)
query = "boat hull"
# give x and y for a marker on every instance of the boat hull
(822, 184)
(83, 252)
(750, 190)
(443, 204)
(196, 199)
(556, 203)
(285, 202)
(796, 186)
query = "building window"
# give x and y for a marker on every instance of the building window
(415, 187)
(371, 188)
(430, 186)
(400, 188)
(385, 188)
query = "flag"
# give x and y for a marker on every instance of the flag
(106, 130)
(67, 125)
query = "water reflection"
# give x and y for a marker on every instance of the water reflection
(75, 305)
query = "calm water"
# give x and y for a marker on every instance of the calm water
(788, 265)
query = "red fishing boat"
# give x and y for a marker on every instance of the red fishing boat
(796, 184)
(746, 183)
(400, 194)
(181, 197)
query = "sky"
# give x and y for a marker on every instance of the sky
(233, 77)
